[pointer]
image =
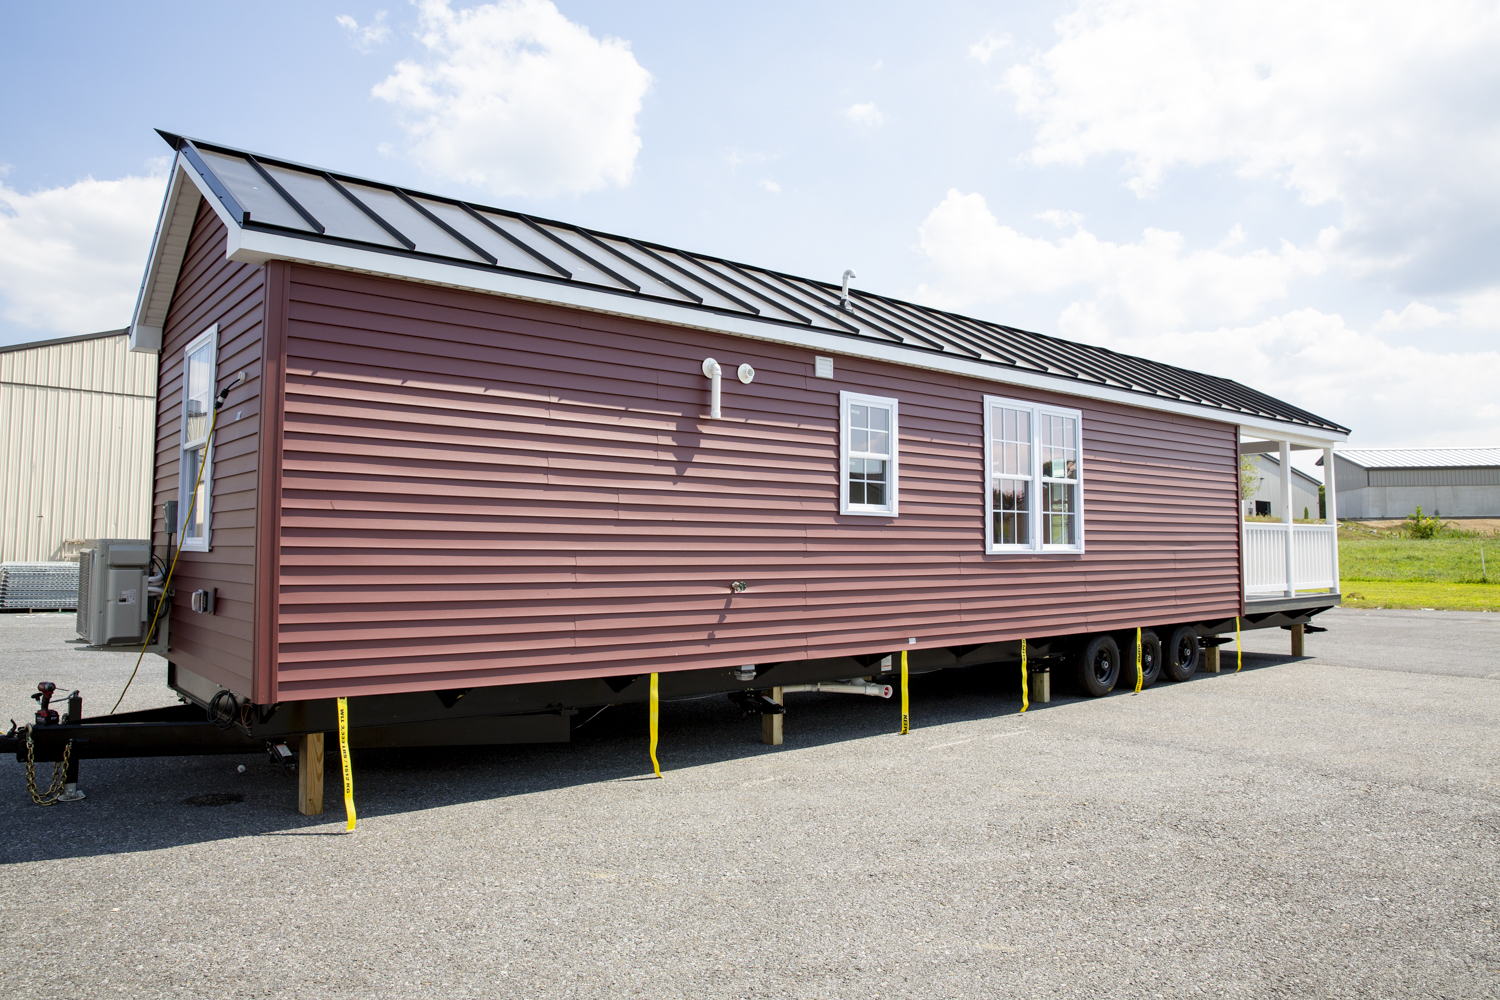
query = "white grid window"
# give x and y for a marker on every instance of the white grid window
(200, 359)
(868, 454)
(1033, 477)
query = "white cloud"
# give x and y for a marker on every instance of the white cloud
(1152, 284)
(1416, 316)
(1389, 395)
(1204, 309)
(987, 46)
(517, 99)
(71, 258)
(377, 32)
(1383, 106)
(771, 186)
(865, 115)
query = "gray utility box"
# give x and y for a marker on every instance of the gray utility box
(112, 599)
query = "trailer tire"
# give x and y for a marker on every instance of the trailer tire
(1180, 657)
(1151, 653)
(1099, 665)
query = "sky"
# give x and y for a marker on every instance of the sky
(1305, 198)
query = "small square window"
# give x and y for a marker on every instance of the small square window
(867, 454)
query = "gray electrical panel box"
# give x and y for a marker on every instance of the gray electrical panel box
(112, 598)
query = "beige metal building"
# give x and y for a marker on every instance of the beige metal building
(77, 426)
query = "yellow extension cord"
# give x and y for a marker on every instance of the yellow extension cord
(1239, 653)
(165, 584)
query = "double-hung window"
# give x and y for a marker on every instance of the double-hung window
(200, 359)
(1033, 476)
(868, 454)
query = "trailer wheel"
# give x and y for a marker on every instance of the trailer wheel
(1151, 656)
(1180, 659)
(1099, 665)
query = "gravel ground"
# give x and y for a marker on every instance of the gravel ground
(1324, 827)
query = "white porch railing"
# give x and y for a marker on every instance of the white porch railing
(1308, 551)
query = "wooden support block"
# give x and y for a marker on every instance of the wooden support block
(770, 725)
(310, 774)
(1211, 659)
(1039, 686)
(1297, 640)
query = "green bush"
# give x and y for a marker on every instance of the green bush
(1418, 526)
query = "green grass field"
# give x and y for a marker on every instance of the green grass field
(1439, 573)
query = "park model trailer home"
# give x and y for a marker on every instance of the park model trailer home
(477, 470)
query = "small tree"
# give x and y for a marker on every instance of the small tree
(1249, 477)
(1418, 526)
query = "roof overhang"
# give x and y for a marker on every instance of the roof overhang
(174, 227)
(192, 181)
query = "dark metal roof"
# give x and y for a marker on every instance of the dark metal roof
(292, 199)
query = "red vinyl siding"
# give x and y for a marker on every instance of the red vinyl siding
(211, 289)
(478, 490)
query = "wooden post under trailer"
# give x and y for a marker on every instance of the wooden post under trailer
(310, 774)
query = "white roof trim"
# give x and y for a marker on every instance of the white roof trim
(174, 227)
(257, 247)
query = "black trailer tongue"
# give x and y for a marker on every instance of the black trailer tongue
(178, 730)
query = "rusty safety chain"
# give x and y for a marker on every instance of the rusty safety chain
(59, 773)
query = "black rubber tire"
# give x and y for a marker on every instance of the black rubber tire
(1180, 656)
(1150, 652)
(1099, 665)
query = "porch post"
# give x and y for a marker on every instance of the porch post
(1331, 512)
(1286, 511)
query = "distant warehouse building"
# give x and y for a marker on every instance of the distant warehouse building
(77, 428)
(1390, 483)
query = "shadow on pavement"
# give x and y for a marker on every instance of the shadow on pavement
(138, 804)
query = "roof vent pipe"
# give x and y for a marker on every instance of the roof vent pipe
(844, 298)
(711, 371)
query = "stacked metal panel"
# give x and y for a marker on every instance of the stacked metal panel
(38, 586)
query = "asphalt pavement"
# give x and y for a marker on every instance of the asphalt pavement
(1316, 827)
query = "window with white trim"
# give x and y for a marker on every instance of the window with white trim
(1033, 476)
(199, 363)
(868, 457)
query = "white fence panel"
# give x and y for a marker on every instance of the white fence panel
(1314, 557)
(1265, 558)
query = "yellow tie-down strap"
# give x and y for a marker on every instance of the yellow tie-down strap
(1025, 697)
(1239, 651)
(655, 716)
(1140, 668)
(344, 756)
(905, 701)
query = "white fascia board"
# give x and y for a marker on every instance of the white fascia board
(164, 263)
(257, 247)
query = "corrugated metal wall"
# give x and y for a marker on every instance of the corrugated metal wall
(479, 490)
(1435, 477)
(212, 289)
(75, 446)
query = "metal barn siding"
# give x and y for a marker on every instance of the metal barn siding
(212, 289)
(75, 450)
(480, 490)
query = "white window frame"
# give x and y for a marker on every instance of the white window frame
(1035, 543)
(893, 467)
(186, 477)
